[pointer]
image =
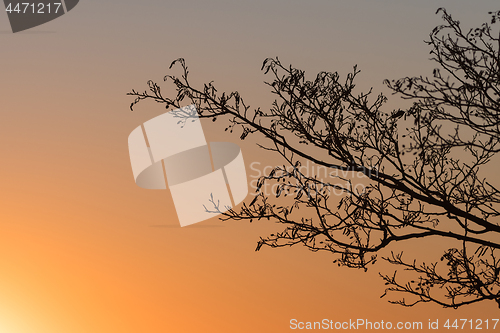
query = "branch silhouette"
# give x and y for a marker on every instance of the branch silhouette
(424, 181)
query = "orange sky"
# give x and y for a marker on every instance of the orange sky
(83, 249)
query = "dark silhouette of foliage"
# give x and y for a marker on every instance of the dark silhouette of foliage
(422, 166)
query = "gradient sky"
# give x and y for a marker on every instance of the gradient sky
(83, 249)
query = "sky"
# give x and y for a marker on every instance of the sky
(83, 249)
